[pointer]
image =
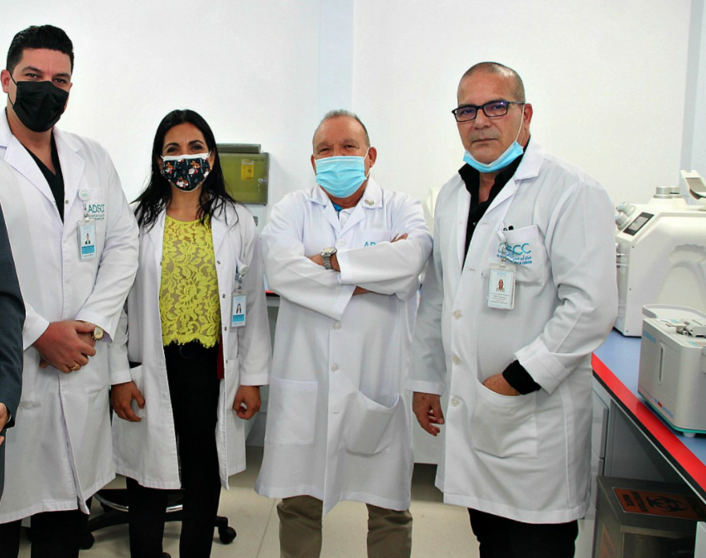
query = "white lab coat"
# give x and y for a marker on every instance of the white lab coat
(59, 454)
(147, 451)
(339, 417)
(524, 457)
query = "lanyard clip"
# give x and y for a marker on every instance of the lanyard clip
(240, 273)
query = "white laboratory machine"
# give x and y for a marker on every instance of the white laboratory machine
(673, 366)
(661, 253)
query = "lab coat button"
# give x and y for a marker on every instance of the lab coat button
(334, 368)
(225, 328)
(218, 262)
(457, 314)
(456, 360)
(337, 325)
(455, 402)
(67, 202)
(341, 243)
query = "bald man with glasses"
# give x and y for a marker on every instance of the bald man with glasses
(519, 291)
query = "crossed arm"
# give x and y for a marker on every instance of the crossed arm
(319, 260)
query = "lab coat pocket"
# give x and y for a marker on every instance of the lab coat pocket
(503, 425)
(96, 205)
(368, 425)
(136, 374)
(291, 412)
(30, 393)
(524, 247)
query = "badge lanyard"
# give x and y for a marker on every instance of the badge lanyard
(86, 231)
(238, 305)
(501, 283)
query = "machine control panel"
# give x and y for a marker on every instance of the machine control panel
(639, 222)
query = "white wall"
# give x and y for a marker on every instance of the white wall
(249, 68)
(607, 79)
(694, 142)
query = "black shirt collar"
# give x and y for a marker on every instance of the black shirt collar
(54, 179)
(471, 178)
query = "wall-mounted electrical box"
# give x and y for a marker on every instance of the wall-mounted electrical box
(246, 171)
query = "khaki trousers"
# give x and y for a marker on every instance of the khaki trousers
(389, 531)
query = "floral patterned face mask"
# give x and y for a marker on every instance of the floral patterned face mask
(186, 172)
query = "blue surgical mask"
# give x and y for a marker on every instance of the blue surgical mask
(509, 155)
(341, 176)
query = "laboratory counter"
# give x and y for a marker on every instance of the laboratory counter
(616, 368)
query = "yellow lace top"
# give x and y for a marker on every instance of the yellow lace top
(188, 296)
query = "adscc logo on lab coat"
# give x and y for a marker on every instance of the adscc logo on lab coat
(519, 254)
(96, 211)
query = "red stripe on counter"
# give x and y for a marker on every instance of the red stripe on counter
(661, 433)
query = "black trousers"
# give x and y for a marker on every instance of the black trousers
(194, 388)
(54, 535)
(500, 537)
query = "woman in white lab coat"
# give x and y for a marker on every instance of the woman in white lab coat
(194, 366)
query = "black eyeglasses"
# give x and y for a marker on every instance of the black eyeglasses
(493, 109)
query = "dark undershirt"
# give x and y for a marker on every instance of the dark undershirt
(471, 178)
(56, 181)
(515, 374)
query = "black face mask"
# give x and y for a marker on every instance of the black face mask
(39, 104)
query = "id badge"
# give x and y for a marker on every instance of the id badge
(501, 287)
(238, 309)
(87, 239)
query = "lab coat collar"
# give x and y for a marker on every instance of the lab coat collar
(72, 165)
(372, 197)
(17, 156)
(529, 168)
(318, 196)
(531, 162)
(218, 232)
(5, 133)
(156, 236)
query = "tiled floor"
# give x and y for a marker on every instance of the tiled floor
(440, 531)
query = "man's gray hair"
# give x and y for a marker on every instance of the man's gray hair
(338, 113)
(497, 68)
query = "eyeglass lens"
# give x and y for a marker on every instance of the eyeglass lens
(492, 109)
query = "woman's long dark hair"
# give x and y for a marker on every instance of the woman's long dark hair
(156, 197)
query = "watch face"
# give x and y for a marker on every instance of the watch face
(98, 333)
(328, 251)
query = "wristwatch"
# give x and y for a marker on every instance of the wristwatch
(326, 254)
(97, 334)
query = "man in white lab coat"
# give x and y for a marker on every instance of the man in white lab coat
(345, 258)
(514, 361)
(59, 453)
